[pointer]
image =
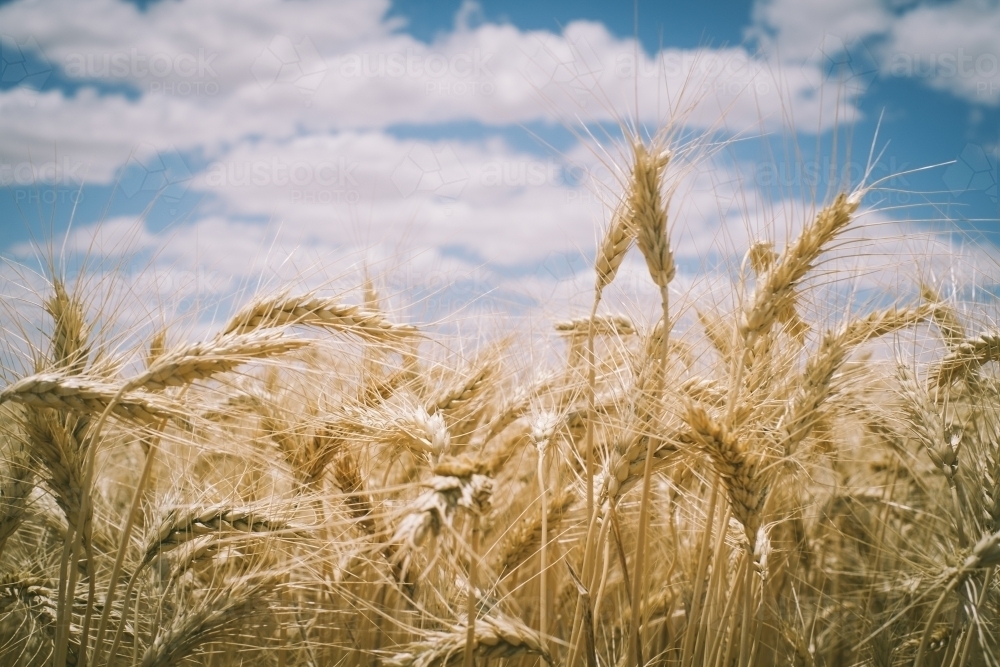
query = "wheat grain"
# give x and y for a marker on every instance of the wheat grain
(762, 259)
(87, 397)
(927, 425)
(39, 598)
(436, 507)
(966, 358)
(180, 526)
(324, 313)
(41, 601)
(814, 386)
(434, 510)
(945, 317)
(349, 479)
(649, 215)
(198, 361)
(461, 393)
(615, 245)
(16, 484)
(69, 340)
(745, 484)
(775, 291)
(214, 618)
(604, 325)
(496, 637)
(715, 331)
(525, 537)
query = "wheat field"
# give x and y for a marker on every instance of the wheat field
(321, 482)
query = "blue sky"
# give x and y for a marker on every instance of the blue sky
(239, 139)
(921, 126)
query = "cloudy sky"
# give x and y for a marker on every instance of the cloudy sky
(471, 149)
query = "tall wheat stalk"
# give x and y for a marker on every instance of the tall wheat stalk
(649, 213)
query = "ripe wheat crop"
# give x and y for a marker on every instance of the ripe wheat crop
(769, 483)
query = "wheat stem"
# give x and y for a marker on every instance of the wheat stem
(126, 534)
(89, 465)
(694, 619)
(638, 571)
(470, 638)
(543, 554)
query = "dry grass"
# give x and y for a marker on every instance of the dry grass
(311, 486)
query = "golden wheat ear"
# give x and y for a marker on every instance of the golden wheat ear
(16, 484)
(318, 312)
(214, 618)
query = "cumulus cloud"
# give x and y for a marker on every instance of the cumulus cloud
(284, 118)
(200, 77)
(282, 112)
(950, 46)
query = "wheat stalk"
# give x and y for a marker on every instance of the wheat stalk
(395, 456)
(56, 441)
(945, 317)
(650, 220)
(524, 538)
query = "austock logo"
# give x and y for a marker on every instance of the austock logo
(433, 171)
(180, 74)
(329, 181)
(975, 170)
(23, 64)
(294, 63)
(571, 65)
(849, 63)
(162, 173)
(472, 65)
(56, 181)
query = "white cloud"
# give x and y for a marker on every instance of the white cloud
(949, 46)
(281, 112)
(953, 47)
(796, 28)
(210, 75)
